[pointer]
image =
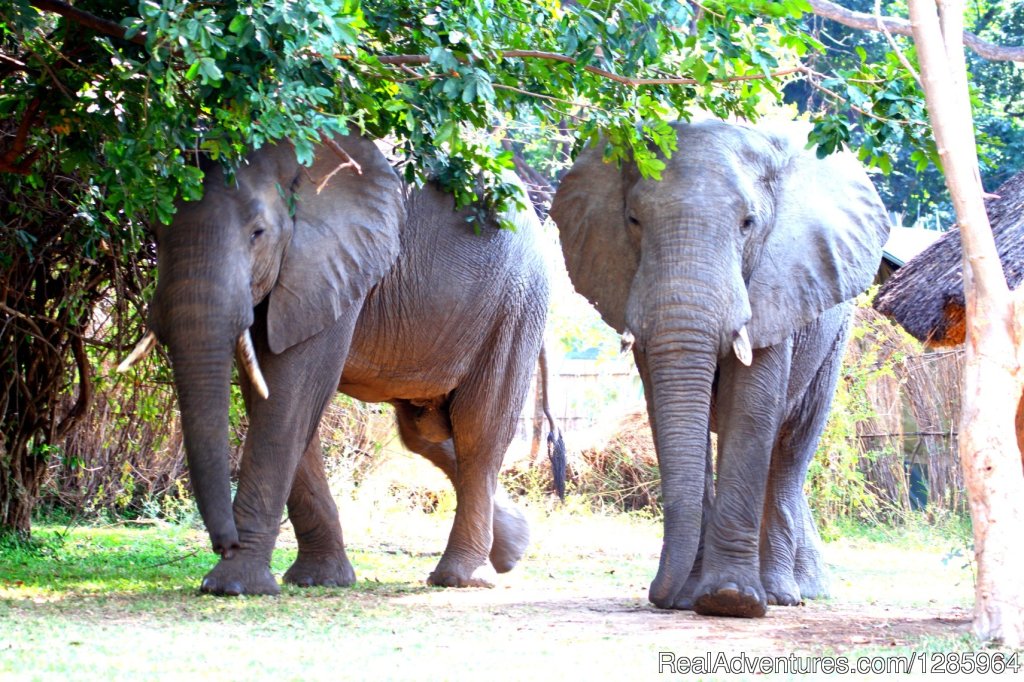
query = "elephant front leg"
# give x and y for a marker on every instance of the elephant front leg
(779, 537)
(301, 380)
(791, 564)
(322, 560)
(810, 572)
(750, 402)
(247, 569)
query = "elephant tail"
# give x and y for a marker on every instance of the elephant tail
(556, 444)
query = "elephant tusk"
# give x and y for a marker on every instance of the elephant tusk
(626, 341)
(247, 356)
(140, 351)
(741, 346)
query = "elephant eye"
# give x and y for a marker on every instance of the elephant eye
(632, 220)
(255, 235)
(747, 224)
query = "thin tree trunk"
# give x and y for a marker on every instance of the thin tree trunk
(537, 427)
(993, 380)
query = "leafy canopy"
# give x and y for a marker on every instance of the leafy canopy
(860, 71)
(441, 78)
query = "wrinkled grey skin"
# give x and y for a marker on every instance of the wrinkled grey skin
(368, 287)
(746, 229)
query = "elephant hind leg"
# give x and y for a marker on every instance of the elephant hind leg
(322, 560)
(511, 531)
(809, 570)
(792, 568)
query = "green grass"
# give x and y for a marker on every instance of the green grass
(916, 529)
(121, 602)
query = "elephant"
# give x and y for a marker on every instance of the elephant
(731, 278)
(340, 277)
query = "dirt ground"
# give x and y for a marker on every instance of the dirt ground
(814, 627)
(586, 578)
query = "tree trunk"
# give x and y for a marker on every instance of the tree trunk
(21, 477)
(1019, 425)
(993, 379)
(537, 425)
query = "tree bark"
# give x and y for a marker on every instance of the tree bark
(993, 380)
(538, 421)
(869, 22)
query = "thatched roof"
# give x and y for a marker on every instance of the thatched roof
(926, 295)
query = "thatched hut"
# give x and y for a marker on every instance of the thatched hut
(926, 295)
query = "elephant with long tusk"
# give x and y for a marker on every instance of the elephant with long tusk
(341, 277)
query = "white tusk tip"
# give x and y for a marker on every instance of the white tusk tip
(141, 350)
(247, 357)
(626, 341)
(263, 391)
(741, 346)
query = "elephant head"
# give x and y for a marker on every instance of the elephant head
(747, 238)
(308, 243)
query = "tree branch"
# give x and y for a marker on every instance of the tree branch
(86, 19)
(822, 8)
(346, 161)
(84, 390)
(892, 43)
(9, 162)
(406, 59)
(812, 77)
(867, 22)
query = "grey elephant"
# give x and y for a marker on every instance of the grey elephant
(334, 277)
(731, 277)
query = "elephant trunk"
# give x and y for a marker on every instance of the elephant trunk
(681, 382)
(202, 305)
(202, 378)
(684, 323)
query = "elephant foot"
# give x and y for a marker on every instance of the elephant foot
(811, 575)
(813, 585)
(738, 598)
(451, 574)
(511, 538)
(670, 591)
(781, 590)
(240, 575)
(685, 599)
(331, 570)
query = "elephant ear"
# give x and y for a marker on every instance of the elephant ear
(826, 240)
(589, 209)
(347, 223)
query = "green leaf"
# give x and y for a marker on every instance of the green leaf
(239, 24)
(209, 70)
(650, 166)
